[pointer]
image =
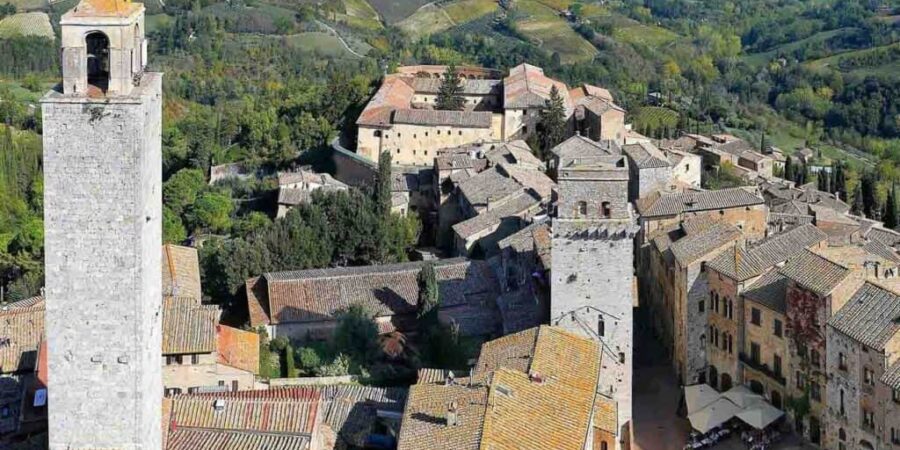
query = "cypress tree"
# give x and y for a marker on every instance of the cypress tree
(552, 127)
(429, 296)
(450, 93)
(890, 209)
(383, 184)
(789, 168)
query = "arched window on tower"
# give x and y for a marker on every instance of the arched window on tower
(97, 60)
(581, 208)
(601, 327)
(605, 210)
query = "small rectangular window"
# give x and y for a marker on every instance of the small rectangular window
(755, 316)
(778, 328)
(702, 306)
(195, 359)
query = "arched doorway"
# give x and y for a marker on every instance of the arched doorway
(776, 399)
(137, 58)
(713, 377)
(866, 445)
(97, 59)
(815, 431)
(757, 387)
(726, 382)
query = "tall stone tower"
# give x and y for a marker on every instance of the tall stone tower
(102, 212)
(593, 290)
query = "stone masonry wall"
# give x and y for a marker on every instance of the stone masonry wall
(102, 202)
(594, 279)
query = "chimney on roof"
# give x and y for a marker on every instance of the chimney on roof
(450, 380)
(536, 377)
(452, 418)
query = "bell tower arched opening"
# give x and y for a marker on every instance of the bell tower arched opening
(97, 44)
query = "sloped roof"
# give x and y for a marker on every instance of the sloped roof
(514, 207)
(386, 290)
(181, 272)
(188, 326)
(105, 8)
(491, 184)
(202, 439)
(537, 392)
(21, 332)
(885, 236)
(237, 348)
(693, 247)
(423, 85)
(514, 153)
(871, 316)
(646, 156)
(750, 262)
(433, 117)
(290, 417)
(769, 290)
(891, 376)
(394, 93)
(582, 147)
(677, 203)
(528, 87)
(814, 272)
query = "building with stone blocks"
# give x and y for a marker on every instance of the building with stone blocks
(678, 292)
(305, 304)
(732, 273)
(815, 289)
(296, 187)
(401, 117)
(890, 382)
(863, 342)
(742, 207)
(593, 289)
(650, 169)
(765, 358)
(102, 203)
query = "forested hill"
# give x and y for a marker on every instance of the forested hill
(268, 83)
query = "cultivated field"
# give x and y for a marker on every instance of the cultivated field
(360, 14)
(436, 18)
(27, 24)
(547, 30)
(393, 11)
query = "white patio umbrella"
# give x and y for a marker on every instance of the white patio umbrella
(743, 397)
(760, 415)
(713, 415)
(698, 396)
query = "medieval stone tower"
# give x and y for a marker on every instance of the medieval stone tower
(593, 289)
(102, 207)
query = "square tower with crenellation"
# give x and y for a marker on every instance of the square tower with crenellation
(102, 211)
(593, 289)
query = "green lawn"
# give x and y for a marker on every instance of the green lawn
(21, 94)
(320, 43)
(546, 29)
(27, 24)
(648, 35)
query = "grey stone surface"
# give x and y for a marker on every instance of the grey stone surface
(102, 206)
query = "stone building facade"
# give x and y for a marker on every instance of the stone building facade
(102, 200)
(593, 289)
(401, 117)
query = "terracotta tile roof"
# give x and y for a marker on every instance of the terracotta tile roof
(769, 291)
(646, 156)
(490, 185)
(555, 413)
(469, 87)
(199, 439)
(514, 351)
(891, 376)
(546, 402)
(188, 326)
(257, 415)
(587, 90)
(516, 206)
(21, 333)
(606, 414)
(882, 251)
(871, 316)
(693, 247)
(237, 348)
(742, 264)
(394, 93)
(814, 272)
(883, 235)
(581, 147)
(425, 417)
(827, 214)
(533, 179)
(33, 302)
(528, 87)
(432, 117)
(257, 301)
(678, 203)
(516, 152)
(319, 294)
(180, 272)
(105, 8)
